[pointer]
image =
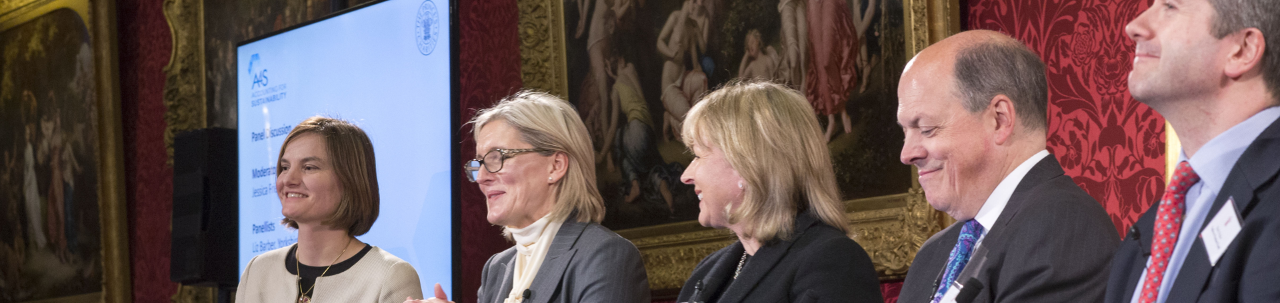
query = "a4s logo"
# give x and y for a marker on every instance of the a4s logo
(259, 76)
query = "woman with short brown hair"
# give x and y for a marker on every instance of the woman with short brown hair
(327, 182)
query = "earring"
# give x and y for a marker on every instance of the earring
(740, 185)
(549, 179)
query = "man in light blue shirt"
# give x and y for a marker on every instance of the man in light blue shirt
(1211, 68)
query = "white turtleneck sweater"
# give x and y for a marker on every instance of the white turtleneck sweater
(532, 243)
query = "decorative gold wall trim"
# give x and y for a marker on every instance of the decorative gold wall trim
(542, 53)
(184, 97)
(184, 86)
(929, 21)
(12, 5)
(893, 234)
(890, 228)
(194, 294)
(116, 283)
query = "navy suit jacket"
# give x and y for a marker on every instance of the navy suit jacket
(1249, 270)
(1052, 243)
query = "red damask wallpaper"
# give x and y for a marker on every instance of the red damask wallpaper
(1112, 145)
(489, 69)
(144, 46)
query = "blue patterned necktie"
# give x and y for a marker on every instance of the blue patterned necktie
(959, 256)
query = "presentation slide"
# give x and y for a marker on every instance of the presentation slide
(384, 67)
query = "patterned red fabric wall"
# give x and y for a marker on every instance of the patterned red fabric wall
(1112, 145)
(489, 67)
(144, 46)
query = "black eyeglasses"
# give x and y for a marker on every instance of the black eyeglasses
(494, 157)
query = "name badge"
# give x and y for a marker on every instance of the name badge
(1221, 231)
(952, 292)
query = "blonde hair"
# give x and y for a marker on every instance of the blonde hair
(351, 153)
(770, 135)
(548, 122)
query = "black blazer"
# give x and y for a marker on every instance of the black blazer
(1051, 243)
(1249, 270)
(819, 264)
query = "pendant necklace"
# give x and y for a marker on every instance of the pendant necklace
(302, 295)
(740, 263)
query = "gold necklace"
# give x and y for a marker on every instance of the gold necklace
(302, 295)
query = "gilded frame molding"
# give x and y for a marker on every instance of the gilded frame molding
(891, 228)
(184, 85)
(114, 231)
(184, 97)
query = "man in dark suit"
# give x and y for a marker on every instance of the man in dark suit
(973, 109)
(1212, 68)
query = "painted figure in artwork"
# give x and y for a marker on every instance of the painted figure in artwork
(633, 148)
(604, 23)
(54, 209)
(758, 61)
(681, 42)
(795, 29)
(30, 185)
(834, 46)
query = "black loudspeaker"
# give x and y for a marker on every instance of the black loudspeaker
(205, 208)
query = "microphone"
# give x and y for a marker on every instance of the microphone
(1134, 234)
(528, 295)
(969, 291)
(697, 292)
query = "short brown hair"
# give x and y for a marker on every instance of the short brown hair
(352, 156)
(1235, 15)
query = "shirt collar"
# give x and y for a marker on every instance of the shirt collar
(529, 234)
(1214, 161)
(999, 197)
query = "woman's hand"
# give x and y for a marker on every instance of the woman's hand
(439, 298)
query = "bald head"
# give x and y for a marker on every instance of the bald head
(977, 66)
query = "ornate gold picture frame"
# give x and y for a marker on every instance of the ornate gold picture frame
(890, 227)
(66, 235)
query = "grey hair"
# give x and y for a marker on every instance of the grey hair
(989, 68)
(1234, 15)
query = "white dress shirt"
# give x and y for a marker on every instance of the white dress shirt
(990, 211)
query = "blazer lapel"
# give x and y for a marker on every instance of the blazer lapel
(558, 257)
(1044, 170)
(977, 261)
(1048, 168)
(765, 259)
(508, 270)
(1256, 167)
(1142, 231)
(721, 270)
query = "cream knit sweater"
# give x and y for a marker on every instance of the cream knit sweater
(378, 277)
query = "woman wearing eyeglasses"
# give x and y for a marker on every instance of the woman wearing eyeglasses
(534, 165)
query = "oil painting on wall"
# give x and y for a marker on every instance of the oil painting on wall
(636, 68)
(49, 213)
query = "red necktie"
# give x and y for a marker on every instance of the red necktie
(1168, 225)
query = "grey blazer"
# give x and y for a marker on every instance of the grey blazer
(586, 263)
